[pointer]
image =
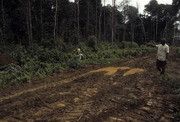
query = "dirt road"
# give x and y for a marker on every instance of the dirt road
(128, 90)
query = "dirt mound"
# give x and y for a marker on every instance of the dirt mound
(6, 59)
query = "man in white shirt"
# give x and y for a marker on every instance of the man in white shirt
(162, 55)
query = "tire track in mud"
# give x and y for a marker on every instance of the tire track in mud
(75, 113)
(53, 84)
(58, 106)
(43, 87)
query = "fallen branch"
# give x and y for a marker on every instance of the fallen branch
(80, 117)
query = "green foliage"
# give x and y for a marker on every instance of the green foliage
(37, 61)
(12, 73)
(73, 63)
(104, 46)
(173, 82)
(125, 44)
(92, 43)
(177, 51)
(174, 87)
(48, 43)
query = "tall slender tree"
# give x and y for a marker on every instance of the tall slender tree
(41, 20)
(124, 7)
(113, 21)
(3, 23)
(96, 19)
(55, 20)
(104, 21)
(78, 19)
(88, 17)
(29, 23)
(100, 16)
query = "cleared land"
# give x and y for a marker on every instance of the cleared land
(128, 90)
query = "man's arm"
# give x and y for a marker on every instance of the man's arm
(151, 45)
(167, 52)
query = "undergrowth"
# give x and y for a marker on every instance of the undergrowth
(36, 61)
(174, 87)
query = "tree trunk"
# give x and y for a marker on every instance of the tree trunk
(132, 32)
(96, 32)
(88, 16)
(144, 33)
(113, 18)
(29, 22)
(124, 33)
(154, 31)
(41, 21)
(173, 43)
(104, 22)
(78, 12)
(156, 27)
(99, 37)
(55, 22)
(3, 24)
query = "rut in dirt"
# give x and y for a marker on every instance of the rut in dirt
(98, 95)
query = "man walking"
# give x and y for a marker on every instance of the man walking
(162, 55)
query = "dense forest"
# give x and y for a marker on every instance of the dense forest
(40, 36)
(57, 22)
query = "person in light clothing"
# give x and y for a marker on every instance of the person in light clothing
(79, 54)
(162, 55)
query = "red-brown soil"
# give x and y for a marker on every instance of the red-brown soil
(6, 59)
(82, 95)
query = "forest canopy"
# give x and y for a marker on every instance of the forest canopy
(53, 22)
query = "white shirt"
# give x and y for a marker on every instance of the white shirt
(161, 52)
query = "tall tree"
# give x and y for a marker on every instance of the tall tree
(96, 18)
(113, 21)
(29, 23)
(3, 23)
(132, 14)
(124, 6)
(41, 20)
(55, 21)
(152, 9)
(176, 7)
(77, 19)
(104, 21)
(100, 16)
(88, 17)
(143, 28)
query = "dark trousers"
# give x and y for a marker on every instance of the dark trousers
(161, 65)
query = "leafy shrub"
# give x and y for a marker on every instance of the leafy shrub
(125, 44)
(12, 74)
(177, 51)
(92, 43)
(48, 43)
(37, 61)
(104, 46)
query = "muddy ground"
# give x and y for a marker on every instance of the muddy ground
(82, 95)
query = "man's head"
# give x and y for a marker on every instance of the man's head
(78, 49)
(163, 41)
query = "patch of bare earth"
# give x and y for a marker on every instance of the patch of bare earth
(82, 95)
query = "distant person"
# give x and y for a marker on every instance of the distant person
(162, 55)
(79, 54)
